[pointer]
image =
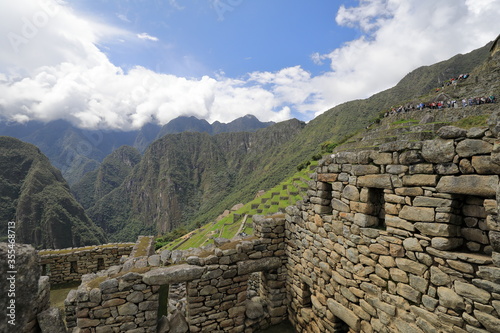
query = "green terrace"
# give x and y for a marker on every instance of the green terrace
(240, 221)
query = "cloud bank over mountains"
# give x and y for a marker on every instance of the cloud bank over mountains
(53, 65)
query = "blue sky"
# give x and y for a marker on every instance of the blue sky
(118, 64)
(197, 38)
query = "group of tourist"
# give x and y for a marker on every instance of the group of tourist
(441, 105)
(453, 81)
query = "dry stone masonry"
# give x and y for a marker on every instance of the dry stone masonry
(131, 297)
(68, 265)
(404, 239)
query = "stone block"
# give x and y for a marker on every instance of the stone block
(351, 192)
(345, 314)
(438, 150)
(409, 191)
(411, 266)
(420, 180)
(450, 299)
(375, 181)
(422, 214)
(173, 274)
(491, 323)
(361, 170)
(396, 169)
(471, 147)
(485, 166)
(381, 158)
(327, 177)
(422, 201)
(340, 206)
(451, 132)
(259, 265)
(446, 244)
(410, 157)
(438, 229)
(472, 292)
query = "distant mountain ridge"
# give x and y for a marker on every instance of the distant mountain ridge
(37, 198)
(75, 151)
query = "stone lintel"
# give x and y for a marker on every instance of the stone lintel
(259, 265)
(483, 186)
(345, 314)
(375, 181)
(327, 177)
(173, 274)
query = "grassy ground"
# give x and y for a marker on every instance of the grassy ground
(274, 200)
(58, 293)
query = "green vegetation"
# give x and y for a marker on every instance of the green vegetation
(272, 201)
(59, 292)
(35, 195)
(472, 121)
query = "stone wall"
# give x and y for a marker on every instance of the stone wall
(24, 292)
(129, 297)
(404, 239)
(68, 265)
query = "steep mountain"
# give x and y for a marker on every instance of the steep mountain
(35, 195)
(72, 150)
(248, 123)
(184, 175)
(75, 151)
(111, 173)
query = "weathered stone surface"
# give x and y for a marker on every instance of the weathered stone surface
(345, 314)
(472, 292)
(410, 157)
(420, 180)
(451, 132)
(438, 277)
(163, 325)
(483, 186)
(127, 309)
(375, 181)
(422, 201)
(438, 151)
(327, 177)
(254, 310)
(423, 214)
(411, 266)
(447, 169)
(340, 206)
(364, 220)
(438, 229)
(259, 265)
(450, 299)
(351, 192)
(470, 147)
(51, 321)
(485, 166)
(396, 222)
(178, 323)
(445, 244)
(360, 170)
(495, 240)
(173, 274)
(25, 284)
(491, 323)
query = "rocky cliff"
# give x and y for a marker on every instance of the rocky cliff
(182, 176)
(36, 196)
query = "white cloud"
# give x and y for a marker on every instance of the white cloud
(55, 70)
(147, 36)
